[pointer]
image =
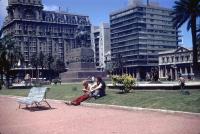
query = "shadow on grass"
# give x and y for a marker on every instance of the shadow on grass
(122, 92)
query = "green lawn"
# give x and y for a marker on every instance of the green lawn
(171, 100)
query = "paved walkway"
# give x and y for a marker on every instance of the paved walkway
(65, 119)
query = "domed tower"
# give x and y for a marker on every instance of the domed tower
(25, 9)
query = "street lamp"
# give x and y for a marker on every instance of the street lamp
(30, 67)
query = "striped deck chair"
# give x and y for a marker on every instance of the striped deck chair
(36, 96)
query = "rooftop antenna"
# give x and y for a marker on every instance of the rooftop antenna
(147, 2)
(67, 10)
(59, 9)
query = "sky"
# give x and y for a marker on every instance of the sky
(98, 11)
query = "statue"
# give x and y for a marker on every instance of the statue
(81, 58)
(81, 37)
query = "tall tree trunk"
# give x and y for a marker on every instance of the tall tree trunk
(1, 81)
(49, 72)
(1, 76)
(7, 81)
(196, 69)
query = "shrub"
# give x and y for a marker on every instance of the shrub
(127, 80)
(116, 79)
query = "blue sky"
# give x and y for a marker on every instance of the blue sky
(97, 10)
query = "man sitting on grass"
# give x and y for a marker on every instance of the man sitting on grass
(99, 88)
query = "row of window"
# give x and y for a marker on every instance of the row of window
(26, 1)
(153, 17)
(171, 59)
(64, 18)
(166, 40)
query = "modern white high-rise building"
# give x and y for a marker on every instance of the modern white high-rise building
(138, 33)
(100, 38)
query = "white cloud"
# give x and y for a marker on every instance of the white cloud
(3, 5)
(51, 8)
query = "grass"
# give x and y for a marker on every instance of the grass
(171, 100)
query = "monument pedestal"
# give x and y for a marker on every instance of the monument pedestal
(81, 66)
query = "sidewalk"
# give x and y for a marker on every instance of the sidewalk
(63, 119)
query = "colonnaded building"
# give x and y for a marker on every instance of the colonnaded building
(174, 63)
(36, 30)
(138, 33)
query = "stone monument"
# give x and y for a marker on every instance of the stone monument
(81, 59)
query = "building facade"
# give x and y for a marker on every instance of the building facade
(100, 38)
(36, 30)
(174, 63)
(138, 33)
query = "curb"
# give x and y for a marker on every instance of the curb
(125, 108)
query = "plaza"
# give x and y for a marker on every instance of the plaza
(63, 72)
(87, 120)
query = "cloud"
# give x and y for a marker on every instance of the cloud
(3, 5)
(51, 8)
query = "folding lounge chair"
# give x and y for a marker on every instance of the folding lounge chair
(35, 96)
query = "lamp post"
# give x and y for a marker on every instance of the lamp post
(30, 67)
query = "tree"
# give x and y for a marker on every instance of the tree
(9, 55)
(119, 64)
(188, 11)
(2, 61)
(59, 67)
(35, 62)
(50, 60)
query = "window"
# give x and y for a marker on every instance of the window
(182, 58)
(177, 59)
(172, 59)
(163, 59)
(167, 59)
(187, 58)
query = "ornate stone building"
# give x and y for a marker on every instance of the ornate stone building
(36, 30)
(175, 62)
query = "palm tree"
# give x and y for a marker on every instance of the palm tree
(188, 11)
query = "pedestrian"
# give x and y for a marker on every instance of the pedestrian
(182, 82)
(169, 77)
